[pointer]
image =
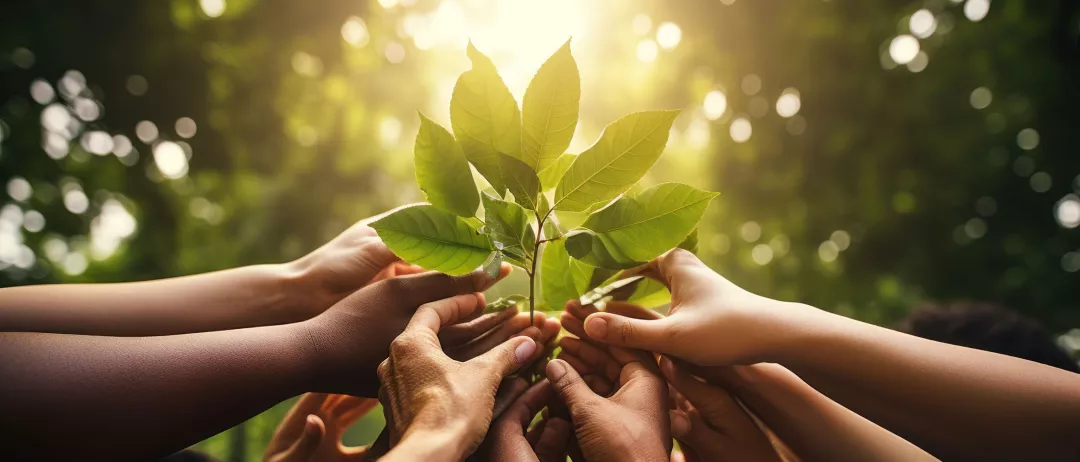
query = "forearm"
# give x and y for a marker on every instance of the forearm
(815, 427)
(429, 446)
(121, 398)
(954, 401)
(230, 299)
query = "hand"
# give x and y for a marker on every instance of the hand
(312, 430)
(435, 404)
(510, 437)
(353, 259)
(630, 425)
(710, 424)
(349, 340)
(711, 320)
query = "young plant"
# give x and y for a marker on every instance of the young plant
(537, 189)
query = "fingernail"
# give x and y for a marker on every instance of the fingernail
(312, 425)
(596, 327)
(680, 425)
(555, 370)
(525, 351)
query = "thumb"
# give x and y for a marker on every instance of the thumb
(642, 334)
(304, 448)
(509, 356)
(569, 386)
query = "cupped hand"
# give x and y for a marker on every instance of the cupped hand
(350, 339)
(437, 404)
(510, 437)
(629, 425)
(711, 321)
(312, 431)
(709, 424)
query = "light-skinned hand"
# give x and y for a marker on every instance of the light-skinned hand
(433, 403)
(312, 430)
(711, 321)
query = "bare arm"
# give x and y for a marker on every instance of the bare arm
(815, 427)
(231, 299)
(957, 402)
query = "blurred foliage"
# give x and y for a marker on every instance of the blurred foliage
(948, 177)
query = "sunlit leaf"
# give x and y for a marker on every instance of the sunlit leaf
(442, 171)
(549, 111)
(550, 176)
(434, 239)
(492, 266)
(506, 302)
(691, 242)
(643, 226)
(557, 278)
(590, 248)
(650, 294)
(508, 224)
(520, 180)
(485, 118)
(595, 295)
(625, 151)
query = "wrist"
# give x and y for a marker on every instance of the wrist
(430, 446)
(804, 329)
(305, 297)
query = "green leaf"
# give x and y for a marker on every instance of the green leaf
(549, 112)
(557, 278)
(508, 225)
(691, 242)
(493, 264)
(442, 171)
(434, 239)
(505, 302)
(550, 176)
(625, 151)
(644, 226)
(621, 285)
(590, 248)
(650, 294)
(485, 118)
(520, 180)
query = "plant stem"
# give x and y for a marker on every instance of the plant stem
(536, 256)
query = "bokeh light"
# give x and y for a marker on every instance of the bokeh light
(922, 23)
(740, 130)
(170, 159)
(903, 49)
(668, 35)
(715, 104)
(789, 103)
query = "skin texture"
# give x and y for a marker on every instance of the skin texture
(511, 439)
(231, 299)
(438, 407)
(956, 402)
(167, 383)
(312, 430)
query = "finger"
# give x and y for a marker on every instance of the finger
(434, 315)
(528, 405)
(578, 310)
(533, 435)
(692, 431)
(600, 385)
(630, 310)
(554, 440)
(714, 403)
(613, 329)
(304, 448)
(465, 332)
(309, 403)
(665, 268)
(599, 360)
(508, 356)
(417, 289)
(509, 391)
(517, 326)
(379, 447)
(550, 331)
(574, 325)
(352, 408)
(570, 388)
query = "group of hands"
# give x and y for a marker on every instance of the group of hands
(456, 382)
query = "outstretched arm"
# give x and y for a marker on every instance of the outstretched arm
(956, 402)
(160, 394)
(236, 298)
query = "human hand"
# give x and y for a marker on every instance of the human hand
(435, 404)
(510, 437)
(349, 340)
(630, 425)
(312, 430)
(709, 424)
(353, 259)
(711, 321)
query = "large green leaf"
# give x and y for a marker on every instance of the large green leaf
(549, 112)
(521, 180)
(643, 226)
(625, 151)
(434, 239)
(442, 171)
(550, 176)
(594, 250)
(508, 225)
(557, 282)
(485, 118)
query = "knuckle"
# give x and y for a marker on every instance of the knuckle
(626, 331)
(401, 345)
